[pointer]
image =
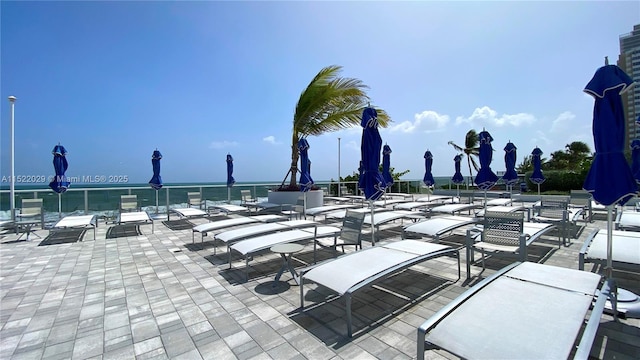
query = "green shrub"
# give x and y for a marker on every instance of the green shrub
(557, 180)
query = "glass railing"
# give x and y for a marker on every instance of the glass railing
(105, 200)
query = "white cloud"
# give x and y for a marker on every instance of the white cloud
(563, 122)
(271, 140)
(487, 115)
(427, 119)
(222, 144)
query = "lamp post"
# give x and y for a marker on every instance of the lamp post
(12, 180)
(339, 167)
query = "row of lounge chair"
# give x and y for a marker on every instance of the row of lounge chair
(492, 306)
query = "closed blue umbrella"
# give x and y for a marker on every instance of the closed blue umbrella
(371, 180)
(485, 178)
(59, 183)
(510, 176)
(156, 180)
(635, 159)
(428, 177)
(306, 182)
(428, 164)
(386, 165)
(373, 183)
(536, 159)
(230, 179)
(609, 179)
(457, 176)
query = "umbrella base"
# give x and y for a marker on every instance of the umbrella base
(628, 304)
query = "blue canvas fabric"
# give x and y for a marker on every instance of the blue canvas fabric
(60, 182)
(230, 179)
(156, 179)
(510, 176)
(609, 179)
(306, 182)
(371, 180)
(428, 164)
(386, 165)
(635, 159)
(457, 176)
(485, 178)
(536, 159)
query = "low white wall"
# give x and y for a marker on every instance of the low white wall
(315, 198)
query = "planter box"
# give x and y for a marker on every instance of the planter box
(315, 198)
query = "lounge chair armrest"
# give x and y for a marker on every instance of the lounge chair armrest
(436, 318)
(589, 334)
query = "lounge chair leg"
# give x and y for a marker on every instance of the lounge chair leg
(347, 298)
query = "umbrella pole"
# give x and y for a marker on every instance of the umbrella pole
(229, 195)
(156, 202)
(613, 292)
(458, 190)
(538, 189)
(304, 205)
(59, 206)
(373, 228)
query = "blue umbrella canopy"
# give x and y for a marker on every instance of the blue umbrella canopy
(635, 159)
(59, 183)
(457, 176)
(372, 182)
(230, 179)
(386, 165)
(510, 176)
(306, 182)
(428, 163)
(609, 179)
(536, 160)
(485, 178)
(156, 180)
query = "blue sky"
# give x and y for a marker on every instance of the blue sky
(112, 81)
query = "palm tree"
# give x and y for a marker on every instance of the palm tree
(471, 149)
(329, 103)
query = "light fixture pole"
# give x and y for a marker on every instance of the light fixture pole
(12, 180)
(339, 167)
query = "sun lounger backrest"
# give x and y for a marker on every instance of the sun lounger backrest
(503, 228)
(553, 207)
(31, 207)
(128, 203)
(351, 233)
(194, 199)
(245, 196)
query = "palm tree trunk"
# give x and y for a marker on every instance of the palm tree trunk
(294, 161)
(470, 174)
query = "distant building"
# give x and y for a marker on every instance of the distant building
(629, 61)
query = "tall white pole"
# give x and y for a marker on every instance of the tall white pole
(12, 181)
(339, 167)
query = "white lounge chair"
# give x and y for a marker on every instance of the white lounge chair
(231, 236)
(526, 310)
(188, 213)
(227, 223)
(250, 246)
(504, 233)
(502, 209)
(499, 202)
(78, 222)
(383, 217)
(321, 210)
(625, 249)
(137, 218)
(229, 208)
(628, 220)
(351, 272)
(438, 226)
(452, 209)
